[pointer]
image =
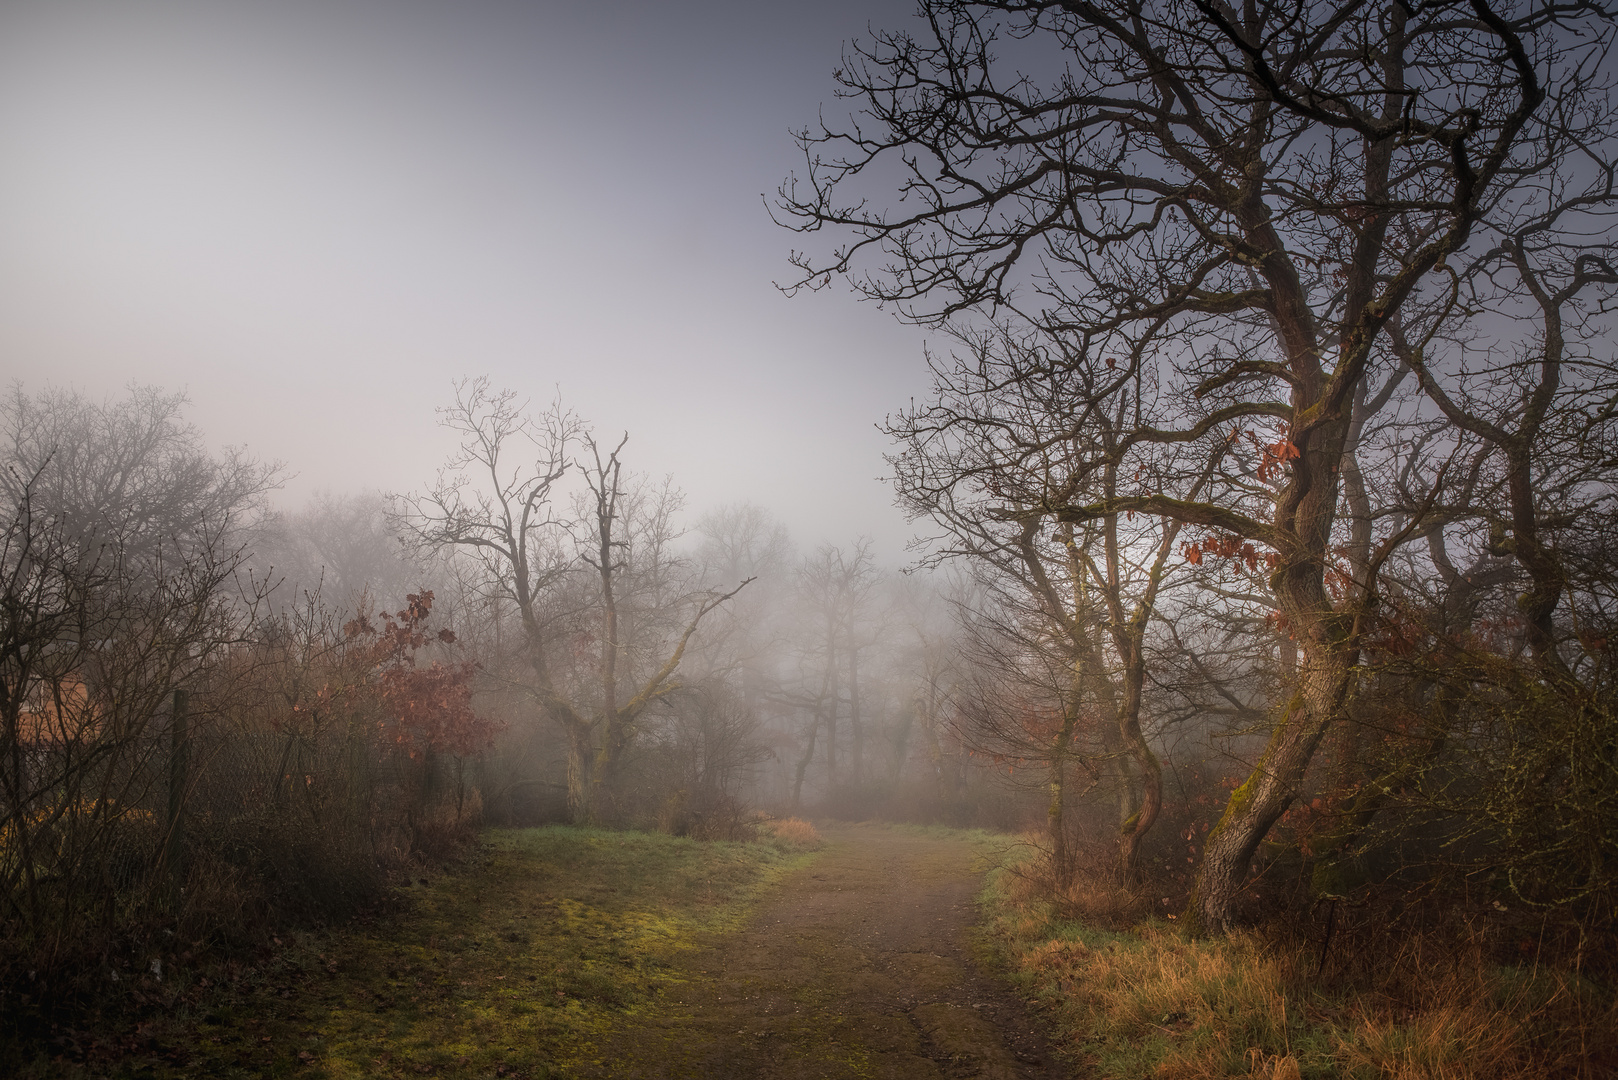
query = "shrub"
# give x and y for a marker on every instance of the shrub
(794, 834)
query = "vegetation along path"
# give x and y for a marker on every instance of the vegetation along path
(588, 954)
(859, 965)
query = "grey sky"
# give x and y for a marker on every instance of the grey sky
(314, 215)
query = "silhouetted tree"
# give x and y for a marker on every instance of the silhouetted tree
(1213, 215)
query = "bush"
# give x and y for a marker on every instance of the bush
(794, 834)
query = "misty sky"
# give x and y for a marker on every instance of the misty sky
(313, 215)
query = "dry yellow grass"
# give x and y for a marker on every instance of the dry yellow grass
(1150, 1002)
(795, 834)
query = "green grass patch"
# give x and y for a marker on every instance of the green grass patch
(997, 841)
(519, 964)
(991, 849)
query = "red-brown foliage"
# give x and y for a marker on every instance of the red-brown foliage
(423, 708)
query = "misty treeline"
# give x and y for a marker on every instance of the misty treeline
(1274, 398)
(217, 718)
(647, 669)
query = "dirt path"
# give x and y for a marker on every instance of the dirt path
(859, 966)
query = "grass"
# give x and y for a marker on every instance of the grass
(517, 965)
(992, 847)
(1148, 1002)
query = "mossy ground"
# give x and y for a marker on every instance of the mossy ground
(519, 964)
(861, 965)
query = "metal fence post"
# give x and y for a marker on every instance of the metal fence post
(179, 762)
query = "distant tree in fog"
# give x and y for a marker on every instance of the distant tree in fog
(931, 663)
(345, 548)
(605, 623)
(835, 588)
(629, 551)
(745, 645)
(744, 540)
(129, 474)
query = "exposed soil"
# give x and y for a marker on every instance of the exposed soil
(860, 965)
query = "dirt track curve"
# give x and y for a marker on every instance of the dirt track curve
(859, 965)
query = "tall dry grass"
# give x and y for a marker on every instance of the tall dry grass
(1147, 1001)
(793, 834)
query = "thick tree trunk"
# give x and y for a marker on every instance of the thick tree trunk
(1131, 645)
(1274, 783)
(580, 763)
(1056, 812)
(604, 786)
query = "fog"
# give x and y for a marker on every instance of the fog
(312, 217)
(1182, 442)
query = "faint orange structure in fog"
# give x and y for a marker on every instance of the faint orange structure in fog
(58, 713)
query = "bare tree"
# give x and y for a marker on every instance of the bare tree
(981, 462)
(342, 547)
(122, 540)
(496, 500)
(1217, 211)
(614, 546)
(834, 586)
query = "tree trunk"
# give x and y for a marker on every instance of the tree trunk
(1056, 812)
(580, 758)
(935, 756)
(831, 742)
(855, 727)
(1271, 787)
(1140, 823)
(615, 736)
(901, 747)
(803, 766)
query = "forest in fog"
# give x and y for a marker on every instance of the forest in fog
(1264, 577)
(288, 706)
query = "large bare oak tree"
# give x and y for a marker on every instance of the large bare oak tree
(1219, 211)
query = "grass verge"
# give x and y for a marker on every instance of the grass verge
(1147, 1002)
(515, 966)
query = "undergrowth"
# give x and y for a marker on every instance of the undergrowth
(1145, 1001)
(515, 966)
(794, 834)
